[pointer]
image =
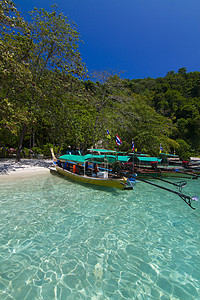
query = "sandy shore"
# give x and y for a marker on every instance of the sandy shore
(26, 167)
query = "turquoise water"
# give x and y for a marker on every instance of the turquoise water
(63, 240)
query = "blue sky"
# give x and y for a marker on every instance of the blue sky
(143, 38)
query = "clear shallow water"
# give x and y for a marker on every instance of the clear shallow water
(63, 240)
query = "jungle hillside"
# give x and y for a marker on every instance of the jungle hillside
(48, 97)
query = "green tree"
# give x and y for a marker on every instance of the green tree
(10, 18)
(101, 97)
(56, 43)
(184, 150)
(182, 71)
(15, 76)
(54, 49)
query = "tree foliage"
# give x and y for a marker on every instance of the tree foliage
(35, 61)
(44, 99)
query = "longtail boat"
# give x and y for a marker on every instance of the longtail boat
(106, 177)
(146, 166)
(82, 169)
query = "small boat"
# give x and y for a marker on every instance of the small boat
(82, 169)
(159, 172)
(178, 173)
(146, 166)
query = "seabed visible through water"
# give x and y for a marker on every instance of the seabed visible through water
(64, 240)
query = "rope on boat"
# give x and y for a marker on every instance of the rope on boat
(194, 175)
(130, 183)
(184, 197)
(179, 184)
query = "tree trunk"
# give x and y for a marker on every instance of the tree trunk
(59, 149)
(23, 132)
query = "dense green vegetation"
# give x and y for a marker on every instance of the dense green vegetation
(46, 97)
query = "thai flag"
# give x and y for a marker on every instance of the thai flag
(133, 146)
(108, 134)
(118, 140)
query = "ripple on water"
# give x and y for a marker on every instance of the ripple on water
(62, 240)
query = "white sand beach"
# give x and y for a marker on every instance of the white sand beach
(26, 167)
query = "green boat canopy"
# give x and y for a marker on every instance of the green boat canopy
(75, 158)
(106, 158)
(88, 157)
(149, 159)
(121, 158)
(102, 150)
(136, 154)
(168, 155)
